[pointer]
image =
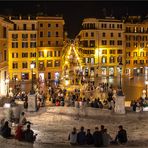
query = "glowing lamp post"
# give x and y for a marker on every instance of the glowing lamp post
(7, 83)
(32, 88)
(146, 83)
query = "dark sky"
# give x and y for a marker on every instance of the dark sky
(74, 11)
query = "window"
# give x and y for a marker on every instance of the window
(33, 54)
(112, 59)
(24, 26)
(24, 36)
(119, 51)
(119, 34)
(5, 55)
(103, 34)
(135, 62)
(49, 34)
(41, 25)
(103, 25)
(57, 63)
(128, 44)
(41, 43)
(41, 33)
(24, 55)
(57, 43)
(56, 53)
(49, 63)
(49, 53)
(32, 36)
(112, 51)
(104, 60)
(14, 37)
(57, 25)
(24, 44)
(14, 44)
(86, 34)
(141, 61)
(49, 43)
(14, 26)
(119, 59)
(135, 44)
(111, 34)
(41, 65)
(57, 34)
(128, 54)
(112, 42)
(25, 76)
(49, 25)
(104, 42)
(120, 26)
(24, 65)
(141, 54)
(14, 55)
(14, 65)
(113, 25)
(104, 51)
(127, 61)
(41, 54)
(134, 54)
(92, 43)
(119, 42)
(32, 44)
(4, 32)
(92, 34)
(33, 26)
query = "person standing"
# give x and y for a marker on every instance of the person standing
(73, 137)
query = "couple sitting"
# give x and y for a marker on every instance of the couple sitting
(25, 135)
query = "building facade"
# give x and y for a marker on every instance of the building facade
(101, 44)
(37, 40)
(136, 45)
(5, 25)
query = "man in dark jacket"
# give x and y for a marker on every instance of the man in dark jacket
(81, 137)
(97, 138)
(89, 138)
(121, 136)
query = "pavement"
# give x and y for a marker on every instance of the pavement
(53, 124)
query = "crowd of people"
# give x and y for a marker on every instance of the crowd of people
(23, 131)
(99, 138)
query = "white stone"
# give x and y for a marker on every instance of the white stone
(120, 105)
(32, 102)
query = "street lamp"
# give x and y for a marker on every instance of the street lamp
(120, 93)
(146, 83)
(7, 83)
(32, 87)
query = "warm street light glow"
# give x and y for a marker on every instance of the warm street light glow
(32, 65)
(146, 82)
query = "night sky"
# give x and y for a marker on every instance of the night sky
(73, 12)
